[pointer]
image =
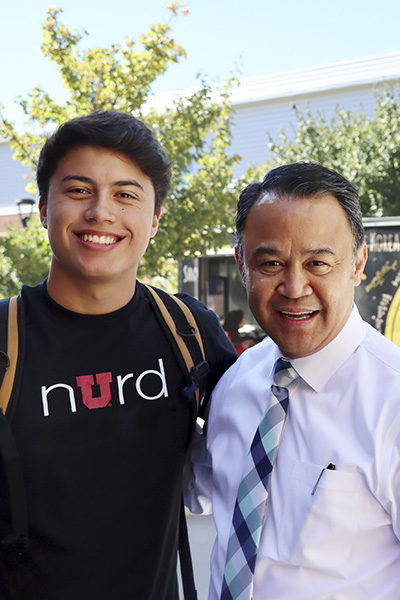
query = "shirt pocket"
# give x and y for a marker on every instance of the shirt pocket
(319, 529)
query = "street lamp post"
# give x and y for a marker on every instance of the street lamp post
(29, 203)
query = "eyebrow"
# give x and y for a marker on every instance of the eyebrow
(262, 250)
(121, 182)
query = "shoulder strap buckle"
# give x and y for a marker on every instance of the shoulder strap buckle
(181, 323)
(4, 361)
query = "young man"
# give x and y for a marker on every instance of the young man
(100, 420)
(318, 517)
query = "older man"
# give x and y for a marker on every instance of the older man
(316, 517)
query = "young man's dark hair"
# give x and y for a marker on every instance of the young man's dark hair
(301, 180)
(115, 131)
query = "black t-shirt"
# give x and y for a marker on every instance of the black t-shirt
(102, 434)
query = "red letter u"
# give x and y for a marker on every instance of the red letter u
(86, 382)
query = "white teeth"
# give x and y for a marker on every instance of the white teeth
(297, 316)
(105, 240)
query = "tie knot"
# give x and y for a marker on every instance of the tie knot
(284, 373)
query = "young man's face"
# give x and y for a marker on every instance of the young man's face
(299, 271)
(99, 215)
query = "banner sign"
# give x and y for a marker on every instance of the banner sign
(378, 296)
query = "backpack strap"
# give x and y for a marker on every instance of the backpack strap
(185, 558)
(175, 318)
(8, 348)
(178, 320)
(4, 360)
(13, 510)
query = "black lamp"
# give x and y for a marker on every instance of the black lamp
(28, 202)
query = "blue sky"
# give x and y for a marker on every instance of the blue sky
(221, 37)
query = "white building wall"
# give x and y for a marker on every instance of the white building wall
(13, 177)
(252, 120)
(261, 105)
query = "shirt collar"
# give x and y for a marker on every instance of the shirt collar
(317, 368)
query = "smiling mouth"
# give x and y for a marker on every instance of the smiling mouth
(298, 316)
(104, 240)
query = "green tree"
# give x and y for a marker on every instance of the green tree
(24, 257)
(365, 150)
(195, 130)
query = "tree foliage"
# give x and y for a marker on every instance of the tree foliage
(24, 257)
(198, 214)
(195, 130)
(365, 150)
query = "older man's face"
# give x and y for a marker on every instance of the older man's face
(299, 270)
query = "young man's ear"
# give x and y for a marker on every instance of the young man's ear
(154, 227)
(43, 213)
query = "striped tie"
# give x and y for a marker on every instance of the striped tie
(252, 493)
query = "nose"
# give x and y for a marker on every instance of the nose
(100, 209)
(294, 284)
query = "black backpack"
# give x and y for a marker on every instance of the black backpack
(180, 327)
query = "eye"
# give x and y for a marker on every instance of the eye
(319, 267)
(271, 263)
(269, 266)
(126, 197)
(77, 190)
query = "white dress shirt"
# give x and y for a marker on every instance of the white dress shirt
(342, 542)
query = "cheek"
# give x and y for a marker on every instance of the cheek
(258, 296)
(59, 214)
(260, 286)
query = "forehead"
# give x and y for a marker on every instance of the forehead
(302, 220)
(101, 165)
(93, 156)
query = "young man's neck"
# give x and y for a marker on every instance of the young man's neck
(91, 298)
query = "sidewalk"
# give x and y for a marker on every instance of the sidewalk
(201, 536)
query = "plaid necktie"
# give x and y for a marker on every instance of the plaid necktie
(252, 493)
